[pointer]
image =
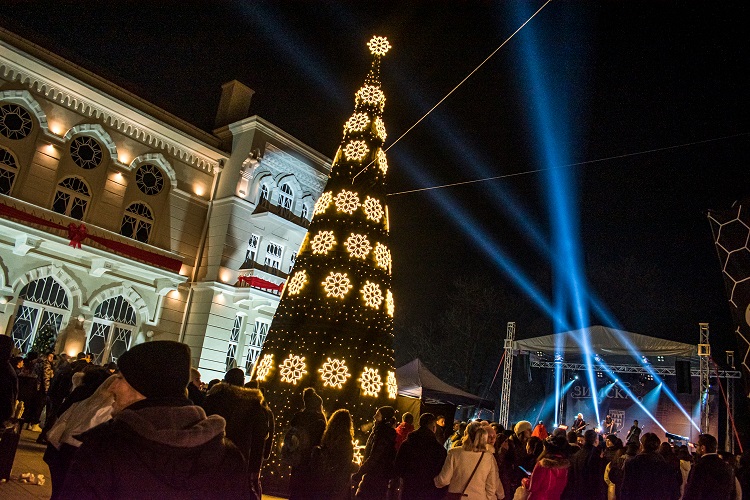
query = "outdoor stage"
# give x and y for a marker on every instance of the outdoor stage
(635, 378)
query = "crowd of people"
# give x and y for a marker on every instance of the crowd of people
(149, 428)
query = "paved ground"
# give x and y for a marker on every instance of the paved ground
(29, 459)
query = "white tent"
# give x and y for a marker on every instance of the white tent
(606, 341)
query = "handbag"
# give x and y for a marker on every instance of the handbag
(458, 496)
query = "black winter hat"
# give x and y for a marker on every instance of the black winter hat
(157, 369)
(387, 412)
(311, 398)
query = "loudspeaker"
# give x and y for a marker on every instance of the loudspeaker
(682, 371)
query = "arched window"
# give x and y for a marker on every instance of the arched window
(305, 211)
(72, 198)
(285, 197)
(112, 330)
(254, 343)
(15, 121)
(149, 179)
(86, 152)
(234, 338)
(8, 170)
(137, 222)
(43, 303)
(263, 193)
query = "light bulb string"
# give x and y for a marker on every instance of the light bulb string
(455, 88)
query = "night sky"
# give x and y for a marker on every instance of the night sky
(619, 81)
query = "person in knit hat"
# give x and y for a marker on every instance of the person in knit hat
(380, 453)
(513, 455)
(308, 425)
(158, 444)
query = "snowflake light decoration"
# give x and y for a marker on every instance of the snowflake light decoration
(371, 95)
(382, 161)
(379, 46)
(337, 285)
(358, 246)
(383, 256)
(334, 373)
(296, 282)
(358, 122)
(264, 367)
(347, 201)
(356, 150)
(358, 457)
(292, 369)
(323, 242)
(380, 128)
(389, 305)
(323, 203)
(390, 385)
(372, 295)
(372, 209)
(370, 382)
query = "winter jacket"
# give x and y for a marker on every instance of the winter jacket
(586, 475)
(710, 478)
(8, 388)
(418, 461)
(549, 477)
(44, 373)
(456, 471)
(377, 466)
(540, 431)
(158, 448)
(247, 425)
(312, 423)
(513, 454)
(332, 468)
(645, 477)
(402, 431)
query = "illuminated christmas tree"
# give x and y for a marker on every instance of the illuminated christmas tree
(333, 329)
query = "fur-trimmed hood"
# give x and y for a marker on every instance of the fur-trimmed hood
(554, 462)
(247, 394)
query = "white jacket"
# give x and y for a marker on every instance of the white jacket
(458, 466)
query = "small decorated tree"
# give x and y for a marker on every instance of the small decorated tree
(45, 340)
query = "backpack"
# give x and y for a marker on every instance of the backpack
(295, 445)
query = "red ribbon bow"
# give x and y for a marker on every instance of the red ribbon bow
(76, 234)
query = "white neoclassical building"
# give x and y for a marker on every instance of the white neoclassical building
(121, 223)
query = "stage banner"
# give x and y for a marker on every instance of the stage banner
(731, 229)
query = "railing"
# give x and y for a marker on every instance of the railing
(96, 237)
(251, 264)
(266, 206)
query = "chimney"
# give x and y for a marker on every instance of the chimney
(234, 104)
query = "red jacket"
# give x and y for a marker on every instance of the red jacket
(402, 431)
(549, 478)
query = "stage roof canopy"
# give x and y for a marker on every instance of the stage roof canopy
(606, 342)
(416, 381)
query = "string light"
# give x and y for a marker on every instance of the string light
(372, 295)
(358, 246)
(370, 382)
(323, 242)
(264, 367)
(296, 282)
(356, 150)
(334, 373)
(347, 201)
(391, 385)
(380, 128)
(323, 202)
(373, 209)
(383, 256)
(382, 161)
(379, 46)
(292, 369)
(337, 285)
(358, 122)
(371, 94)
(389, 305)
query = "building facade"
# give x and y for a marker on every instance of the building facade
(121, 223)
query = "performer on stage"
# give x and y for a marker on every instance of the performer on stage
(609, 426)
(579, 424)
(634, 434)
